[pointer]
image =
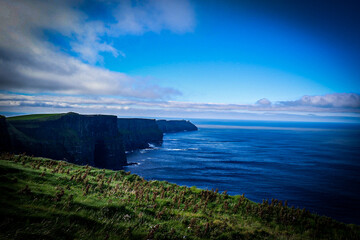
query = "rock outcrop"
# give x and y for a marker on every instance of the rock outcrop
(138, 133)
(80, 139)
(172, 126)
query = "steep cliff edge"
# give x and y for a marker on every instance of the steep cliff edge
(137, 133)
(4, 135)
(80, 139)
(172, 126)
(97, 140)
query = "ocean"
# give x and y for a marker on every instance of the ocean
(312, 165)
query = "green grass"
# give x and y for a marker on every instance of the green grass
(35, 117)
(47, 199)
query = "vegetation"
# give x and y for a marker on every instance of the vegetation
(47, 199)
(42, 117)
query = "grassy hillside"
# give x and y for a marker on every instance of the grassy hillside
(47, 199)
(41, 117)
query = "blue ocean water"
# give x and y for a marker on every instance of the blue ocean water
(312, 165)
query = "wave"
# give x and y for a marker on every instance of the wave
(175, 149)
(180, 149)
(151, 145)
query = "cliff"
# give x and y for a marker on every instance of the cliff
(96, 140)
(171, 126)
(138, 133)
(4, 135)
(81, 139)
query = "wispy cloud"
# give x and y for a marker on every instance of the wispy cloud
(336, 100)
(14, 101)
(29, 63)
(138, 17)
(263, 102)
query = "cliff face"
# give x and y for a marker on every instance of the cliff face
(97, 140)
(171, 126)
(81, 139)
(138, 133)
(4, 135)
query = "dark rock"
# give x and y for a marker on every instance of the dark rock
(138, 133)
(4, 135)
(80, 139)
(172, 126)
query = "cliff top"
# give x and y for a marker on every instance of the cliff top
(36, 117)
(51, 116)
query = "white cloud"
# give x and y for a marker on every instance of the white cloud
(89, 43)
(336, 100)
(31, 64)
(100, 104)
(263, 102)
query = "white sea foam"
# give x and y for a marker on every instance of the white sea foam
(180, 149)
(175, 149)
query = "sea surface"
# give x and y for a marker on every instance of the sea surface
(312, 165)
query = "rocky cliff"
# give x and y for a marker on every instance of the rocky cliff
(97, 140)
(4, 135)
(81, 139)
(138, 133)
(171, 126)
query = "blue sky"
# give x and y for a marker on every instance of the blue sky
(179, 58)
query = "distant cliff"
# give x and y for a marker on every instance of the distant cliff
(172, 126)
(97, 140)
(138, 133)
(81, 139)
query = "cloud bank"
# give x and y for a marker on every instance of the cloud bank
(30, 63)
(337, 100)
(10, 102)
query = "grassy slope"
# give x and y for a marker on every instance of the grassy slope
(41, 117)
(46, 199)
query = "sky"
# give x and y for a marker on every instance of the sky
(246, 59)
